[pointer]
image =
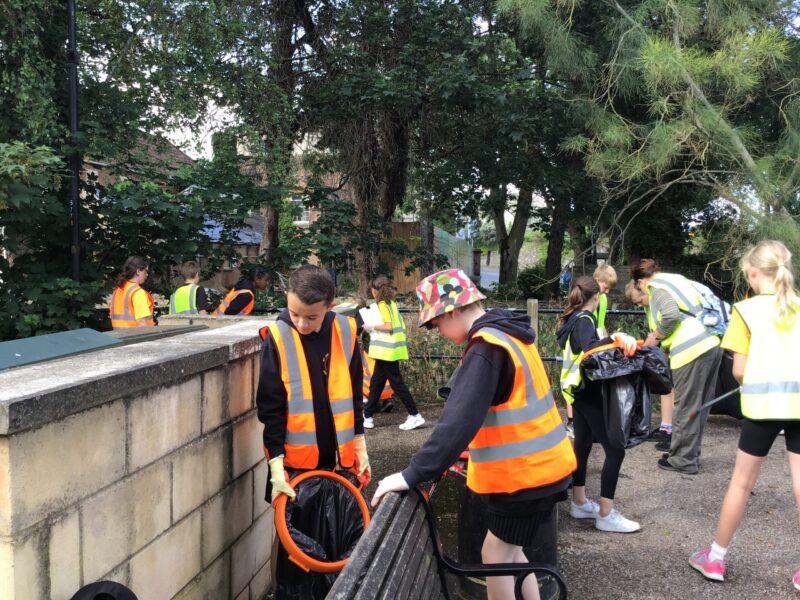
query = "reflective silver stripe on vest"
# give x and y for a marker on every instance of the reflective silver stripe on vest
(518, 449)
(689, 343)
(301, 438)
(695, 309)
(772, 387)
(192, 300)
(293, 368)
(346, 435)
(397, 330)
(347, 337)
(342, 406)
(172, 304)
(125, 316)
(530, 393)
(384, 344)
(514, 416)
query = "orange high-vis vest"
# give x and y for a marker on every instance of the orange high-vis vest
(522, 443)
(301, 451)
(226, 302)
(368, 366)
(121, 307)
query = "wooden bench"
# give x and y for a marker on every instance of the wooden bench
(399, 557)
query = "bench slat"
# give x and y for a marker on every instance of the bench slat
(383, 556)
(408, 560)
(347, 584)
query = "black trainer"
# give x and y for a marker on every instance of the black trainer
(658, 435)
(664, 446)
(388, 406)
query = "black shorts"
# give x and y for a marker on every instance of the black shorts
(757, 437)
(517, 522)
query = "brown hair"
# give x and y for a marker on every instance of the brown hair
(189, 270)
(645, 268)
(311, 285)
(583, 289)
(383, 286)
(774, 260)
(606, 274)
(133, 264)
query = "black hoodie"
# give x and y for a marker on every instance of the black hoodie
(238, 304)
(582, 335)
(485, 379)
(271, 396)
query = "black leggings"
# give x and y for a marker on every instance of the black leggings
(588, 423)
(385, 369)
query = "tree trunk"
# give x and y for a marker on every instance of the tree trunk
(270, 237)
(510, 242)
(555, 246)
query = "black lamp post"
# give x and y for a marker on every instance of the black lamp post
(74, 159)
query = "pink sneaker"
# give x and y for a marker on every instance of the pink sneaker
(796, 580)
(711, 569)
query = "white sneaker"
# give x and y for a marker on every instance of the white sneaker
(369, 423)
(412, 422)
(616, 523)
(570, 430)
(588, 510)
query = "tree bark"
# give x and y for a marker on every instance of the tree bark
(510, 241)
(555, 246)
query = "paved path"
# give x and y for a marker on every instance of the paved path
(678, 514)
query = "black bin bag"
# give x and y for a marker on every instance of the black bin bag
(627, 384)
(326, 523)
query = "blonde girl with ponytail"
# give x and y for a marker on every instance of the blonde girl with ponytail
(764, 335)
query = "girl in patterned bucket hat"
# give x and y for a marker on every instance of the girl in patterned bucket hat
(501, 407)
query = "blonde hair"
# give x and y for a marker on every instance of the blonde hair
(632, 292)
(774, 260)
(606, 274)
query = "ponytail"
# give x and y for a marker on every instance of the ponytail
(133, 264)
(384, 288)
(774, 260)
(583, 289)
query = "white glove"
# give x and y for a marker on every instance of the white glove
(628, 342)
(277, 476)
(392, 483)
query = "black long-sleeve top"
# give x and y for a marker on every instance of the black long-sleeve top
(238, 304)
(271, 397)
(485, 379)
(582, 335)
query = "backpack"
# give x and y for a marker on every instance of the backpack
(715, 313)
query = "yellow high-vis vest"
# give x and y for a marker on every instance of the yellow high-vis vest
(571, 377)
(690, 339)
(771, 383)
(391, 345)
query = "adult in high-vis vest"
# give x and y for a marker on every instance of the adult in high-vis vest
(190, 298)
(501, 407)
(388, 347)
(764, 335)
(309, 391)
(577, 334)
(241, 298)
(131, 305)
(662, 436)
(694, 358)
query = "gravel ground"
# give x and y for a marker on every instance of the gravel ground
(678, 515)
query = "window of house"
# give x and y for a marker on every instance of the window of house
(300, 213)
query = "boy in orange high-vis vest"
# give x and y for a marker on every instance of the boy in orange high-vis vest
(309, 392)
(501, 407)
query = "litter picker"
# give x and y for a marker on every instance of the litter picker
(712, 402)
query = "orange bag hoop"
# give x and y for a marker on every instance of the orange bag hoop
(614, 344)
(297, 556)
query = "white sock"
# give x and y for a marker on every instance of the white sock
(717, 552)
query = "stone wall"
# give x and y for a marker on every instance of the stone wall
(142, 464)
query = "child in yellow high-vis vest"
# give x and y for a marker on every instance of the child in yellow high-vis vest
(764, 335)
(500, 406)
(388, 346)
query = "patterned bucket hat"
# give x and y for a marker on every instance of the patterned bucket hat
(443, 292)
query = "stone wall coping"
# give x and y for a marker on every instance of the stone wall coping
(33, 395)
